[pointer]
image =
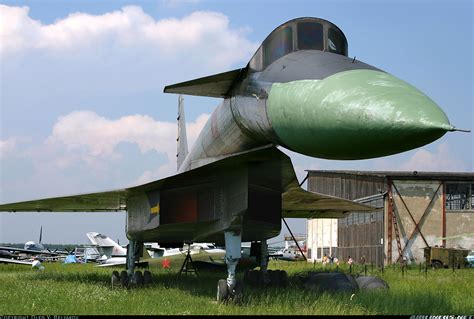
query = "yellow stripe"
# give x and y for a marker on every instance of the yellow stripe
(155, 209)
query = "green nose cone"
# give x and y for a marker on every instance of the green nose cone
(356, 114)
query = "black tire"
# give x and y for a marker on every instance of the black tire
(124, 279)
(273, 276)
(137, 278)
(283, 278)
(270, 277)
(246, 275)
(252, 278)
(115, 279)
(261, 280)
(147, 279)
(436, 264)
(238, 293)
(222, 291)
(276, 278)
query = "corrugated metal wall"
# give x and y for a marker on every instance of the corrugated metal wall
(346, 186)
(357, 237)
(422, 207)
(362, 240)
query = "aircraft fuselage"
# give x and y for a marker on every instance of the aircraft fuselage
(299, 91)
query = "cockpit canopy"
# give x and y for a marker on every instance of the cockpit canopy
(299, 34)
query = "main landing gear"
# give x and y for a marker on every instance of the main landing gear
(131, 277)
(231, 289)
(270, 278)
(264, 277)
(138, 279)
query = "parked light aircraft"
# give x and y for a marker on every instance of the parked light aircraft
(288, 254)
(24, 255)
(299, 91)
(112, 254)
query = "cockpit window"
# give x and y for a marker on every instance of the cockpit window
(336, 43)
(299, 34)
(280, 44)
(310, 36)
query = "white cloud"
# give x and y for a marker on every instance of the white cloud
(7, 147)
(117, 61)
(130, 29)
(90, 137)
(442, 160)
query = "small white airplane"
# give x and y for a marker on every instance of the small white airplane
(112, 254)
(288, 254)
(209, 248)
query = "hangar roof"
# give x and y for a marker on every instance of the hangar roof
(417, 175)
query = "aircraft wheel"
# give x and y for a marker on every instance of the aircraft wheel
(251, 278)
(137, 278)
(246, 275)
(115, 279)
(437, 264)
(282, 278)
(124, 279)
(222, 291)
(238, 292)
(263, 279)
(274, 276)
(270, 279)
(147, 277)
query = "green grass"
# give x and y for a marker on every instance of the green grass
(84, 289)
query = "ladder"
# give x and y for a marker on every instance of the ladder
(395, 226)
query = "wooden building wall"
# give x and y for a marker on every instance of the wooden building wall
(418, 205)
(358, 241)
(345, 185)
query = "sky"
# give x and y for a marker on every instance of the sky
(82, 107)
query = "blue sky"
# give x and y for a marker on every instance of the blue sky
(82, 107)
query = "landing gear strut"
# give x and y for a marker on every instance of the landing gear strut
(231, 288)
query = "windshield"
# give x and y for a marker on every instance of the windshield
(336, 43)
(299, 34)
(310, 36)
(280, 44)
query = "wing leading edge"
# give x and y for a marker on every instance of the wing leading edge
(296, 202)
(112, 201)
(217, 85)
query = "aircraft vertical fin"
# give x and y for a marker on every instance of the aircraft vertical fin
(182, 140)
(41, 235)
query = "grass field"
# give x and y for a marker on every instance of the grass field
(84, 289)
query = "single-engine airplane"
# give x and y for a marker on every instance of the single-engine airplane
(15, 255)
(299, 91)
